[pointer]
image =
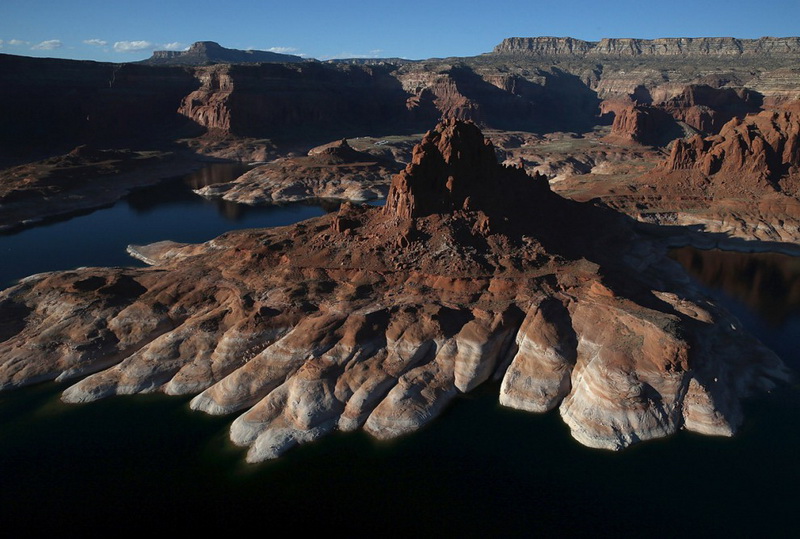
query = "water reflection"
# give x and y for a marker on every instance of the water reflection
(767, 283)
(215, 173)
(179, 191)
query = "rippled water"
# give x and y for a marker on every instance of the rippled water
(147, 463)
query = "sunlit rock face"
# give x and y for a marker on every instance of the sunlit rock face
(377, 318)
(762, 147)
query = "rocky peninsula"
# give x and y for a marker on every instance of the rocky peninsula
(377, 318)
(334, 171)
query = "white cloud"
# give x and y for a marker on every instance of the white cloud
(48, 45)
(175, 46)
(282, 50)
(17, 42)
(132, 46)
(96, 42)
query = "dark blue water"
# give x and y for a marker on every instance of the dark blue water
(147, 463)
(169, 211)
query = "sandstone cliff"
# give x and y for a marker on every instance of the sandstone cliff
(642, 124)
(644, 118)
(294, 99)
(740, 184)
(209, 52)
(50, 106)
(377, 318)
(760, 148)
(680, 46)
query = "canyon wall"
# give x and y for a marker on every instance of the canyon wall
(47, 103)
(678, 46)
(275, 99)
(530, 84)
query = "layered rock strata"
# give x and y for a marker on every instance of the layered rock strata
(334, 171)
(294, 99)
(644, 118)
(377, 318)
(210, 52)
(642, 124)
(677, 46)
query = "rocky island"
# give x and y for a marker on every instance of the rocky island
(376, 318)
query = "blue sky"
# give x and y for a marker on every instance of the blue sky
(128, 31)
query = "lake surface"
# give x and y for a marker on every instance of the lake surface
(169, 211)
(146, 463)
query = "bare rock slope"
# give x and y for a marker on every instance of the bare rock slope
(333, 171)
(376, 318)
(742, 183)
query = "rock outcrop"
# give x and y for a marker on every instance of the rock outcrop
(376, 318)
(450, 171)
(762, 148)
(334, 171)
(210, 52)
(642, 124)
(740, 184)
(679, 46)
(295, 99)
(706, 108)
(643, 118)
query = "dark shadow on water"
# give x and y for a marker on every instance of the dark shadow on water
(479, 470)
(761, 289)
(767, 283)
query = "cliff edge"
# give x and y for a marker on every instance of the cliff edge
(687, 47)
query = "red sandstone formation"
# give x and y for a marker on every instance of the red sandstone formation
(702, 108)
(295, 99)
(52, 105)
(707, 109)
(741, 184)
(449, 172)
(762, 148)
(641, 124)
(376, 318)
